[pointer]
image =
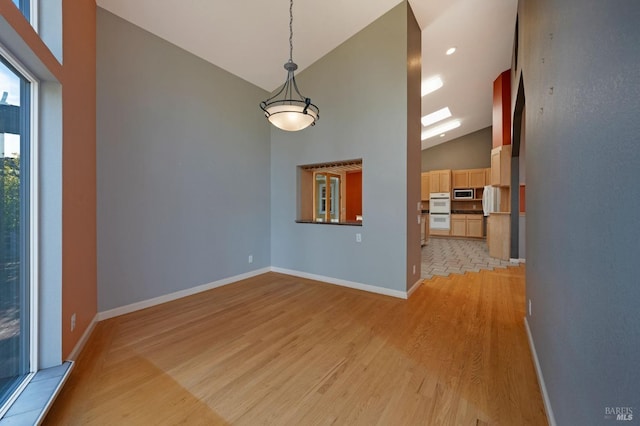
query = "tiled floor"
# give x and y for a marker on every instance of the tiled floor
(444, 256)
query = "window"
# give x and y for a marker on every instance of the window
(327, 192)
(16, 307)
(330, 192)
(24, 6)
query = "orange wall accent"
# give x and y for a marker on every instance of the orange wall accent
(79, 263)
(502, 110)
(78, 78)
(354, 195)
(523, 203)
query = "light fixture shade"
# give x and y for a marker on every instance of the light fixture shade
(291, 115)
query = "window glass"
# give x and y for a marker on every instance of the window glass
(14, 228)
(23, 5)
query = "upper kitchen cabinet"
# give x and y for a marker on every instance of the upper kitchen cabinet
(425, 189)
(460, 178)
(501, 166)
(472, 178)
(476, 178)
(440, 181)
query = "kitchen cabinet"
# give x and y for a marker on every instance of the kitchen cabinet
(466, 225)
(471, 178)
(460, 178)
(474, 225)
(425, 188)
(501, 166)
(498, 235)
(440, 181)
(476, 178)
(458, 225)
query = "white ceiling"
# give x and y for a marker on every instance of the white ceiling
(250, 38)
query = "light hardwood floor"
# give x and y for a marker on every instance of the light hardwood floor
(282, 350)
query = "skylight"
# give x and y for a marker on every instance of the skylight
(436, 116)
(434, 131)
(431, 85)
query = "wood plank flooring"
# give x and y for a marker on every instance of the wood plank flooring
(281, 350)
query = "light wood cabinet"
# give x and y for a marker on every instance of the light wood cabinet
(466, 225)
(460, 178)
(425, 188)
(445, 181)
(440, 181)
(476, 178)
(459, 225)
(474, 225)
(498, 235)
(471, 178)
(501, 166)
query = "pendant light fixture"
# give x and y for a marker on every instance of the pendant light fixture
(288, 109)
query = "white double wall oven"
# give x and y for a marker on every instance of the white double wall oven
(440, 210)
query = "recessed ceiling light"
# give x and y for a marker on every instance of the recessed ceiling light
(449, 125)
(431, 85)
(442, 135)
(434, 117)
(451, 51)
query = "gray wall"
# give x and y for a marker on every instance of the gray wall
(183, 168)
(361, 89)
(471, 151)
(583, 232)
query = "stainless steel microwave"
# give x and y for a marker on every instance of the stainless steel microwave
(463, 194)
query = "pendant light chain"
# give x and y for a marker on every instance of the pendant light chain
(291, 31)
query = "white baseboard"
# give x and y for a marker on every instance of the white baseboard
(177, 295)
(83, 340)
(543, 387)
(343, 283)
(414, 287)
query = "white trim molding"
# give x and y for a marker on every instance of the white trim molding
(543, 387)
(414, 287)
(73, 356)
(344, 283)
(115, 312)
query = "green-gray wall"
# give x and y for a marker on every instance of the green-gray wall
(361, 89)
(471, 151)
(580, 64)
(182, 168)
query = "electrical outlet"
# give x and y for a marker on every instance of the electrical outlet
(414, 269)
(529, 307)
(358, 238)
(73, 321)
(250, 258)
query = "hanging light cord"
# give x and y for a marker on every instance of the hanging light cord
(291, 31)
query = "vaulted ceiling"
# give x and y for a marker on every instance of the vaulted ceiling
(250, 38)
